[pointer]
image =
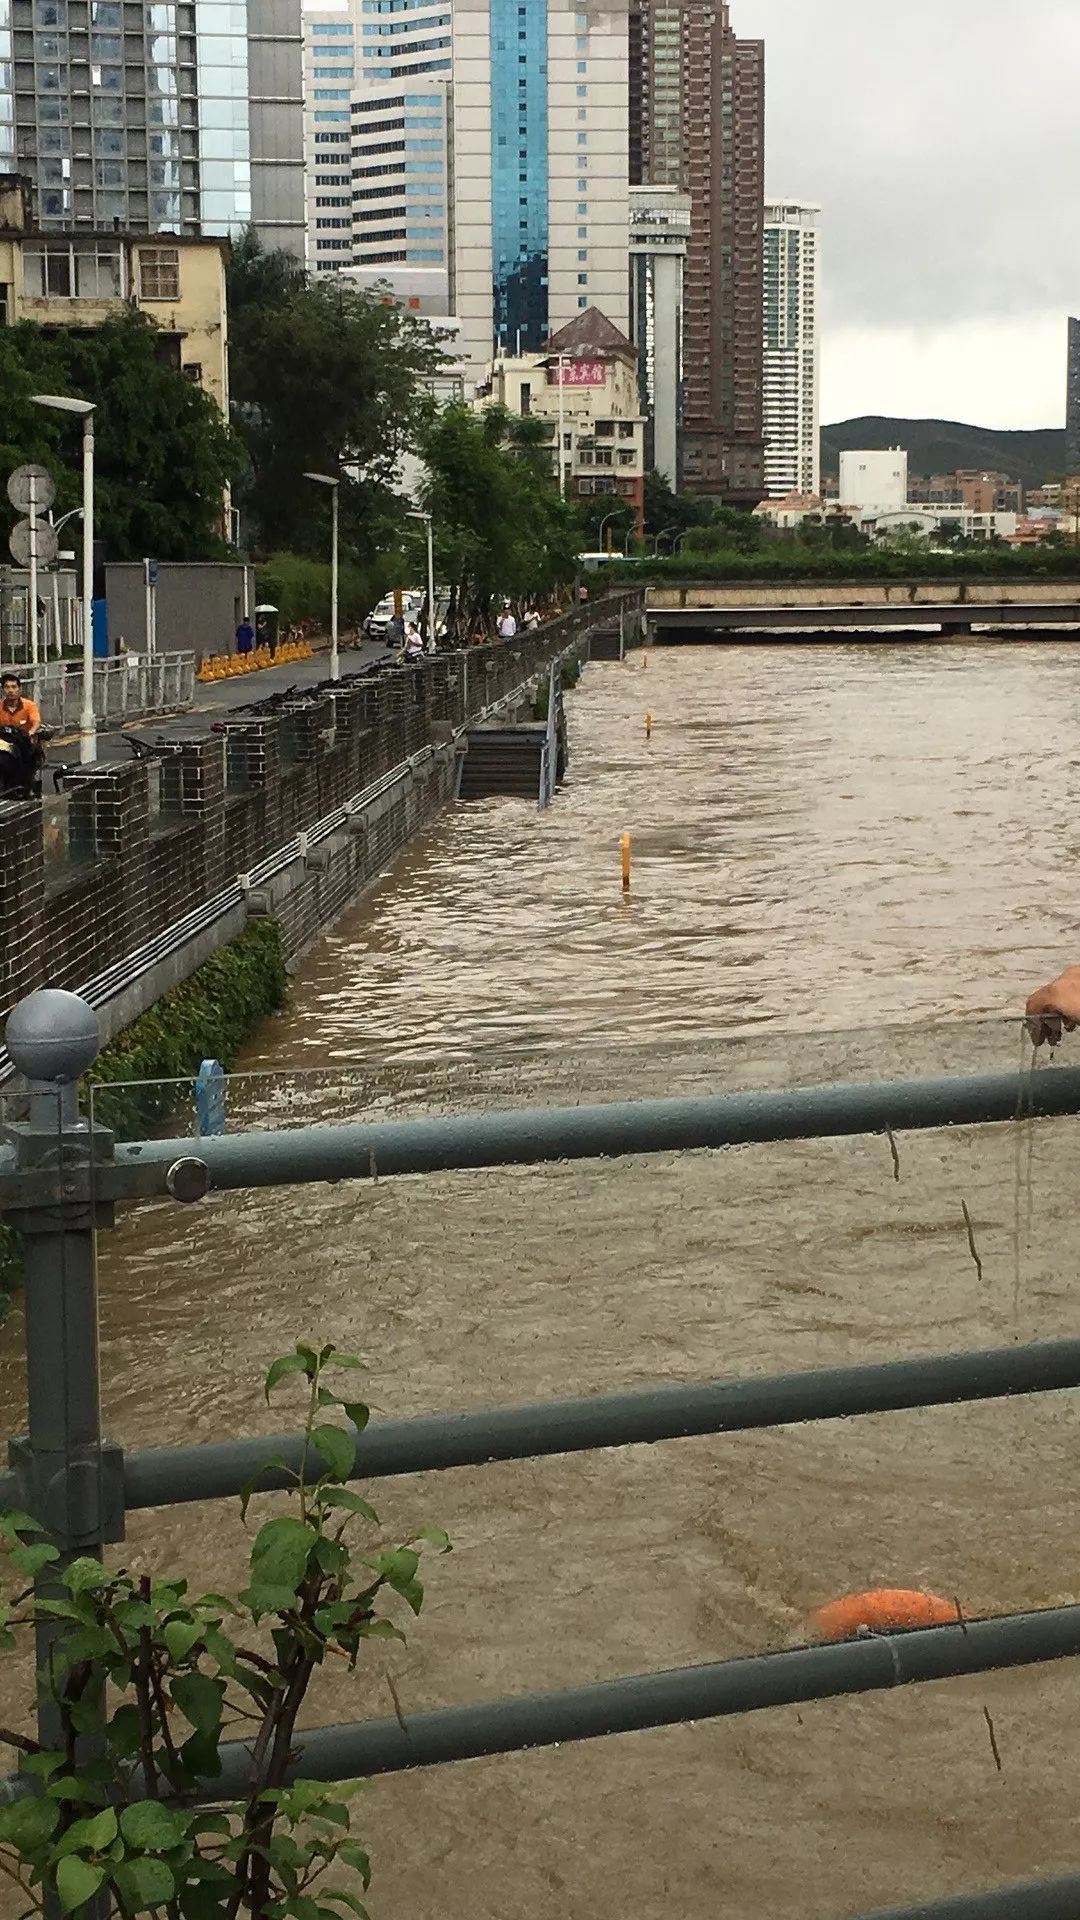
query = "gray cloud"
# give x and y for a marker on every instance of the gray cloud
(942, 138)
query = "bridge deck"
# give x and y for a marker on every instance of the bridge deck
(949, 618)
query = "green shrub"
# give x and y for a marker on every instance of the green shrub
(300, 589)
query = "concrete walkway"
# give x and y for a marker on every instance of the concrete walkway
(214, 698)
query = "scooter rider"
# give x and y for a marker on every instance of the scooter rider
(15, 709)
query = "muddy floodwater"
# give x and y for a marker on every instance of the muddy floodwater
(848, 863)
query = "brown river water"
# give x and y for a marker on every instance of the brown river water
(848, 863)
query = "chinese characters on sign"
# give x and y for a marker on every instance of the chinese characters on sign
(577, 373)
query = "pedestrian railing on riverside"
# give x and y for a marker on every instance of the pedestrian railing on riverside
(60, 1178)
(124, 689)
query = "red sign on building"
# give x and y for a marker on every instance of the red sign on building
(578, 373)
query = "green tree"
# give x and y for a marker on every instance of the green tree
(163, 456)
(501, 528)
(323, 378)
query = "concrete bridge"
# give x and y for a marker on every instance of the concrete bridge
(885, 609)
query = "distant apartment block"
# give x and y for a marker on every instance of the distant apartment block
(791, 389)
(156, 116)
(874, 479)
(697, 122)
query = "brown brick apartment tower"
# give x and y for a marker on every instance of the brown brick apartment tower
(697, 121)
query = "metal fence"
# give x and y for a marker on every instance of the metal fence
(124, 689)
(61, 1177)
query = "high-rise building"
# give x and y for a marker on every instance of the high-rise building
(1072, 413)
(377, 137)
(697, 102)
(659, 238)
(160, 116)
(539, 168)
(791, 371)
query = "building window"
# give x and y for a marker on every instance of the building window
(159, 273)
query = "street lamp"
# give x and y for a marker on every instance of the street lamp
(662, 535)
(417, 514)
(56, 526)
(84, 410)
(328, 480)
(613, 515)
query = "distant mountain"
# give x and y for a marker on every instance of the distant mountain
(940, 446)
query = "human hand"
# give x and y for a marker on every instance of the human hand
(1055, 1009)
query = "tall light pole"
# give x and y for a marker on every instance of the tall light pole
(562, 362)
(431, 619)
(84, 410)
(328, 480)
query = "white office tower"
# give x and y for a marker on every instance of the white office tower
(659, 241)
(539, 169)
(331, 41)
(792, 361)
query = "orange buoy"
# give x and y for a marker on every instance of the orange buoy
(884, 1610)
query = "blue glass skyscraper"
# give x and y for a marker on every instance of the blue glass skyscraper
(519, 173)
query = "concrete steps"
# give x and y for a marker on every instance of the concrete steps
(503, 760)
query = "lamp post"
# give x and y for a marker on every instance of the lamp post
(56, 526)
(84, 410)
(328, 480)
(432, 623)
(613, 515)
(563, 361)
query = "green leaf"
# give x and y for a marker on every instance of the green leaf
(89, 1836)
(28, 1824)
(85, 1574)
(30, 1560)
(302, 1361)
(435, 1537)
(180, 1636)
(152, 1827)
(382, 1630)
(41, 1763)
(144, 1883)
(349, 1900)
(65, 1787)
(399, 1567)
(123, 1732)
(349, 1360)
(199, 1699)
(351, 1854)
(351, 1502)
(77, 1882)
(200, 1755)
(338, 1449)
(262, 1599)
(12, 1520)
(280, 1555)
(356, 1411)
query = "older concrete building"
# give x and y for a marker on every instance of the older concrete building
(585, 382)
(156, 116)
(83, 279)
(697, 107)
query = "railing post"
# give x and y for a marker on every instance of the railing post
(67, 1478)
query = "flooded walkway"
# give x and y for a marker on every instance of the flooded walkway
(848, 863)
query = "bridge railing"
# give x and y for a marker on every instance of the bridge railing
(60, 1178)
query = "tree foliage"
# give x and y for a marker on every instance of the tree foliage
(501, 527)
(146, 1681)
(163, 454)
(324, 378)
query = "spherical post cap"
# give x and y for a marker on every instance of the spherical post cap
(52, 1035)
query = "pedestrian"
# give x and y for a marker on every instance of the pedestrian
(245, 636)
(532, 620)
(414, 645)
(507, 625)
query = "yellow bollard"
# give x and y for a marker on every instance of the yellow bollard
(644, 661)
(626, 863)
(648, 726)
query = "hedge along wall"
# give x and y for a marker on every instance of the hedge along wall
(208, 1017)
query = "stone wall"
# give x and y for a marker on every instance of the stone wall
(135, 861)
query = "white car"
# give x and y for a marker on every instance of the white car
(377, 624)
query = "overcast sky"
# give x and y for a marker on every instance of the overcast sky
(942, 139)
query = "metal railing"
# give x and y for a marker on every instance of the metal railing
(60, 1177)
(124, 689)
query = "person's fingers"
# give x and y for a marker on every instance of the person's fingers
(1041, 1001)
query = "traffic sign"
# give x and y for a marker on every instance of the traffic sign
(153, 568)
(31, 486)
(46, 544)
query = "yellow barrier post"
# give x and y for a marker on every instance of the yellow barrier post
(626, 862)
(648, 726)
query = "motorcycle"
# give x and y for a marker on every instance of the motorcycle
(21, 762)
